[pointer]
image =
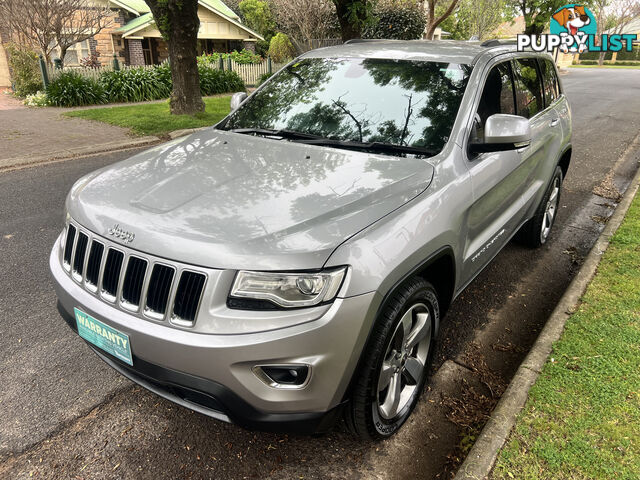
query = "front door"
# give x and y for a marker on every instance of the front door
(504, 183)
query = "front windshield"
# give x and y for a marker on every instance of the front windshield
(398, 102)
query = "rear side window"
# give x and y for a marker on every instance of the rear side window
(550, 81)
(497, 96)
(529, 100)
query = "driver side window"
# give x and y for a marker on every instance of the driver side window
(497, 97)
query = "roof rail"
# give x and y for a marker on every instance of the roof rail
(497, 43)
(363, 40)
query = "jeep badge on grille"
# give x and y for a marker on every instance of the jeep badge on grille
(119, 233)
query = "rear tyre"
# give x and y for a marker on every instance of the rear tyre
(536, 231)
(393, 372)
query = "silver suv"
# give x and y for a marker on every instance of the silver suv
(293, 263)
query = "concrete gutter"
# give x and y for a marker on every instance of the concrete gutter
(16, 163)
(483, 454)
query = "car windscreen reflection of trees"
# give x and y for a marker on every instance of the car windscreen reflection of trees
(398, 102)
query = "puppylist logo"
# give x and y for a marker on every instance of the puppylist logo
(573, 29)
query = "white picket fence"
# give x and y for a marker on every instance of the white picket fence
(250, 73)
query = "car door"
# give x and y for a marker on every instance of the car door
(555, 98)
(504, 183)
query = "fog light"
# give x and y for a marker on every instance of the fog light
(283, 376)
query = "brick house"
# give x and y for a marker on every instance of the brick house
(134, 39)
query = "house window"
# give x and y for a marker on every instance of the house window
(76, 52)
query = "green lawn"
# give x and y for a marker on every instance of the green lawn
(582, 419)
(604, 66)
(154, 118)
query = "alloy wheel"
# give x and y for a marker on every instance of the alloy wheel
(550, 210)
(403, 365)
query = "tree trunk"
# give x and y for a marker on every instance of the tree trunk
(178, 22)
(347, 28)
(434, 22)
(186, 96)
(601, 58)
(63, 53)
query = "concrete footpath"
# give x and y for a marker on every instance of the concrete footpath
(483, 454)
(30, 136)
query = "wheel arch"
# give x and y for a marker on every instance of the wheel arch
(438, 266)
(565, 160)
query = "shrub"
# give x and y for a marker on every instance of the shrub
(38, 99)
(91, 61)
(243, 56)
(214, 81)
(70, 89)
(164, 74)
(397, 19)
(280, 48)
(136, 84)
(263, 78)
(25, 70)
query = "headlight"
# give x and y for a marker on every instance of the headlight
(289, 289)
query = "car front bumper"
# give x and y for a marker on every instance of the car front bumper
(213, 373)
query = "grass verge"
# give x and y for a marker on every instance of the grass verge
(154, 118)
(583, 414)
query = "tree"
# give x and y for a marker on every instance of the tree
(620, 13)
(353, 16)
(476, 18)
(305, 20)
(178, 23)
(257, 15)
(536, 13)
(48, 24)
(437, 12)
(77, 21)
(29, 22)
(397, 19)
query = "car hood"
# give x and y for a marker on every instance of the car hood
(225, 200)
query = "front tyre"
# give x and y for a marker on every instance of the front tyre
(394, 368)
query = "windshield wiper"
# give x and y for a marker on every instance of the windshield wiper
(283, 132)
(380, 147)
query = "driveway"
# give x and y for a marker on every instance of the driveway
(66, 415)
(32, 133)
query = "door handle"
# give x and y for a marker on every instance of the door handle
(554, 122)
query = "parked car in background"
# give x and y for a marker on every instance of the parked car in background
(293, 263)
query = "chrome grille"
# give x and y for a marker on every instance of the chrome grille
(111, 275)
(79, 255)
(188, 296)
(159, 289)
(129, 279)
(133, 281)
(68, 246)
(92, 274)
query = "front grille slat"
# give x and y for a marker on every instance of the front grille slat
(80, 253)
(131, 281)
(68, 246)
(93, 264)
(111, 276)
(159, 289)
(188, 296)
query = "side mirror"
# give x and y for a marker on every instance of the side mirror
(237, 98)
(504, 132)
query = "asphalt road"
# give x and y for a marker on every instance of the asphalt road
(63, 413)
